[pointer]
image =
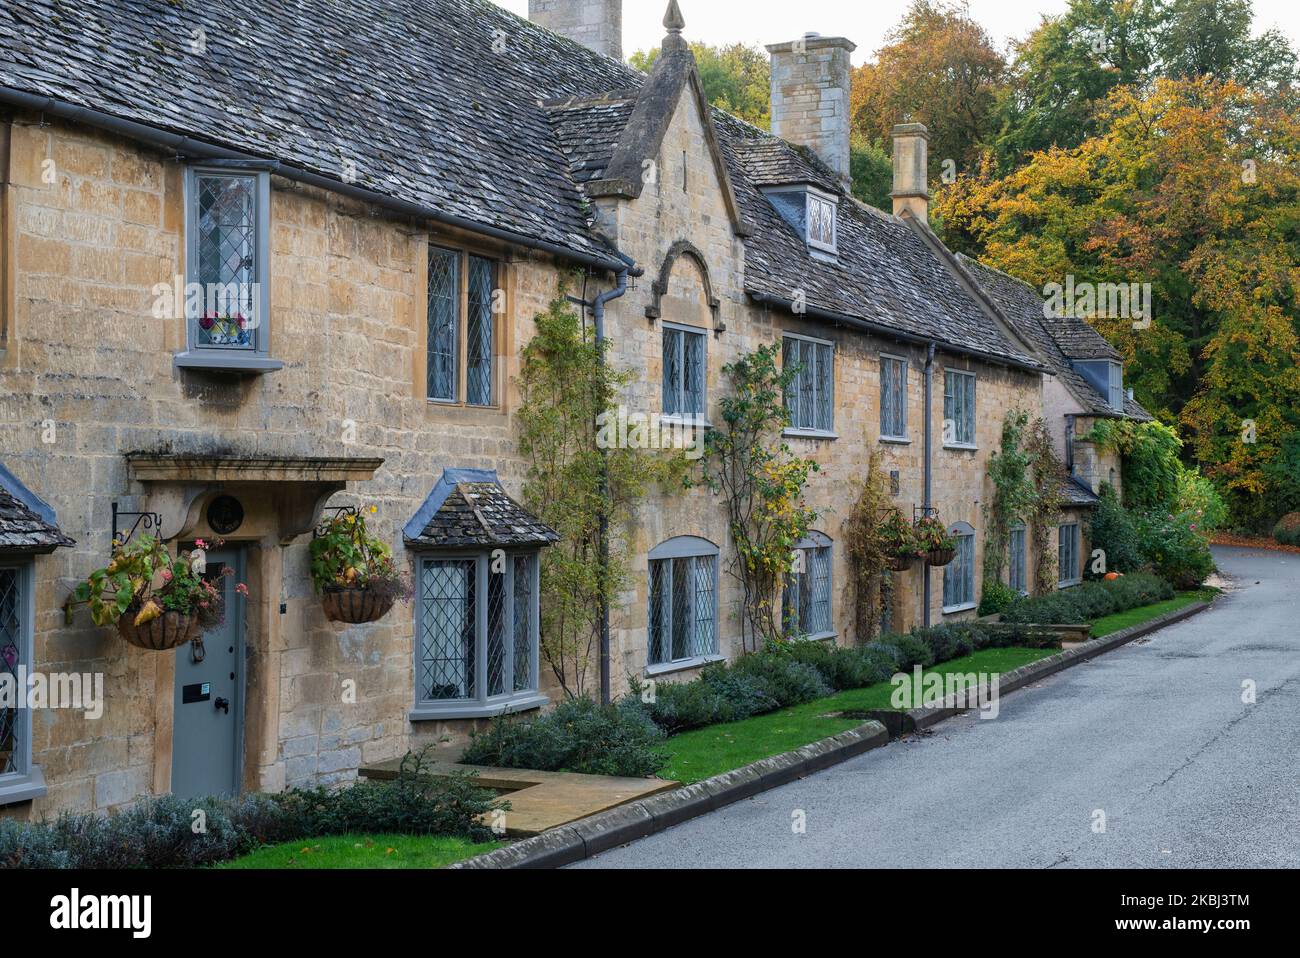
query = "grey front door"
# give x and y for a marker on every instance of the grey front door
(208, 732)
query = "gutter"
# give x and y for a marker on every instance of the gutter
(878, 329)
(198, 149)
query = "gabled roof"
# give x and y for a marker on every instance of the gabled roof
(1022, 304)
(469, 509)
(1075, 493)
(27, 523)
(436, 102)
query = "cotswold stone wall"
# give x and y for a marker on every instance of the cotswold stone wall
(88, 364)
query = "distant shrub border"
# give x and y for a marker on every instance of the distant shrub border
(1091, 600)
(160, 832)
(626, 738)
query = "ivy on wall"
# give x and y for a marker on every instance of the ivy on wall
(1026, 475)
(867, 546)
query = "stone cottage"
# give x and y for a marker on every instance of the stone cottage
(392, 190)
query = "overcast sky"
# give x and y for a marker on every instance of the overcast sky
(865, 22)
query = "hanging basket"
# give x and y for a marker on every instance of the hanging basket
(355, 606)
(168, 631)
(939, 557)
(898, 563)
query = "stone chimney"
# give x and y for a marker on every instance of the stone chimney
(596, 24)
(810, 97)
(911, 170)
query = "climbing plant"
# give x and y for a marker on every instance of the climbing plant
(1013, 493)
(565, 384)
(761, 484)
(867, 547)
(1046, 473)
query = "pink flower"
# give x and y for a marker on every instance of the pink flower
(200, 544)
(206, 322)
(242, 589)
(167, 575)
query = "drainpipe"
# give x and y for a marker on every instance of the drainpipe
(598, 318)
(929, 459)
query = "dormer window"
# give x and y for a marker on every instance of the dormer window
(1117, 387)
(811, 211)
(821, 222)
(1107, 377)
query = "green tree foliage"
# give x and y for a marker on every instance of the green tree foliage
(736, 78)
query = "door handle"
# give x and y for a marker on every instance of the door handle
(223, 704)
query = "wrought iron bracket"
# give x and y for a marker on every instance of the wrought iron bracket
(338, 511)
(143, 520)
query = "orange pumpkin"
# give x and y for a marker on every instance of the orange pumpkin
(1112, 576)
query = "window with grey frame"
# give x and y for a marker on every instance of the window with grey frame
(1116, 382)
(958, 408)
(1067, 553)
(806, 598)
(1017, 566)
(227, 226)
(810, 396)
(15, 653)
(893, 397)
(685, 353)
(959, 575)
(477, 628)
(683, 596)
(449, 313)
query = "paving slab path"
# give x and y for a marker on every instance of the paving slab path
(1154, 736)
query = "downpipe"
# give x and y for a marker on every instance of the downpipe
(927, 503)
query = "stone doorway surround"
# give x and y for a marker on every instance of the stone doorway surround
(283, 498)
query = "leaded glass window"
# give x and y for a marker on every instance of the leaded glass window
(893, 397)
(477, 624)
(959, 575)
(683, 603)
(224, 218)
(1018, 577)
(443, 319)
(479, 333)
(13, 654)
(821, 222)
(1067, 553)
(684, 372)
(806, 599)
(810, 395)
(958, 408)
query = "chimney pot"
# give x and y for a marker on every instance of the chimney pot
(810, 97)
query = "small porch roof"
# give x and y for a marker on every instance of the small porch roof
(27, 523)
(467, 508)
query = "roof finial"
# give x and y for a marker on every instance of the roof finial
(675, 23)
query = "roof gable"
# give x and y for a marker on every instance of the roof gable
(467, 508)
(27, 523)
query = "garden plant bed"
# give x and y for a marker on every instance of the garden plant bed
(364, 851)
(1124, 620)
(1251, 542)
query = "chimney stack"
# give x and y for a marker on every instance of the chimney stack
(810, 97)
(911, 170)
(596, 24)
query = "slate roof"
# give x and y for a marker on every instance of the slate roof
(1022, 304)
(1075, 493)
(26, 523)
(435, 101)
(477, 513)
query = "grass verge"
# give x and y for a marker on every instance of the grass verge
(705, 752)
(364, 851)
(1145, 613)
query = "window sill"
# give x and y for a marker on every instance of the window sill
(964, 607)
(674, 419)
(1069, 583)
(438, 712)
(896, 440)
(22, 788)
(682, 665)
(810, 434)
(961, 446)
(241, 363)
(818, 637)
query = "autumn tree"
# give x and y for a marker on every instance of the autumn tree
(736, 78)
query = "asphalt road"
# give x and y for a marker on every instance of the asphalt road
(1154, 736)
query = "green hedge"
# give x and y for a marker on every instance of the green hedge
(161, 832)
(1091, 600)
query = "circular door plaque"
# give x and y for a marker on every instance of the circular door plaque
(225, 515)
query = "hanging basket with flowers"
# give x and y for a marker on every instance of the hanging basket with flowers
(354, 572)
(157, 601)
(901, 547)
(933, 538)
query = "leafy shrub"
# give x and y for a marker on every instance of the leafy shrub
(578, 735)
(1287, 530)
(745, 694)
(160, 832)
(1176, 546)
(1091, 600)
(997, 597)
(784, 678)
(913, 650)
(842, 668)
(1198, 498)
(1115, 533)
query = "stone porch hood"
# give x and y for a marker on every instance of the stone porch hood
(178, 486)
